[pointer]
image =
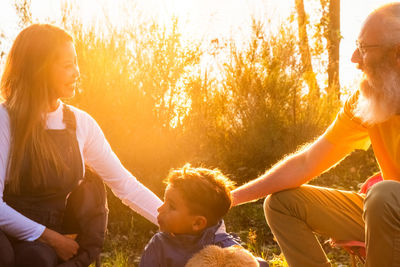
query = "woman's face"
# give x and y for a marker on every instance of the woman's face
(64, 72)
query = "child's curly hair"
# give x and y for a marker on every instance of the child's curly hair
(205, 191)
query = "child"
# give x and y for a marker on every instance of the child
(195, 201)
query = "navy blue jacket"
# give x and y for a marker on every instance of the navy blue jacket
(166, 250)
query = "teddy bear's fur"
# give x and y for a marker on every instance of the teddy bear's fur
(214, 256)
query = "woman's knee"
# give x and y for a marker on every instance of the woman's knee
(6, 251)
(381, 198)
(35, 254)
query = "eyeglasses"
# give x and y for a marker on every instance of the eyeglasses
(362, 48)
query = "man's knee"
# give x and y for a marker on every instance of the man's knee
(36, 254)
(280, 202)
(382, 199)
(272, 202)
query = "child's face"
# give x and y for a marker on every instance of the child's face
(174, 215)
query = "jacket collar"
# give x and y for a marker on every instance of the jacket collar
(208, 236)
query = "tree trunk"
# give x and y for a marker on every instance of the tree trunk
(308, 72)
(333, 41)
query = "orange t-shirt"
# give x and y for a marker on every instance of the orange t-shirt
(348, 131)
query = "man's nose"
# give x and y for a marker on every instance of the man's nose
(356, 57)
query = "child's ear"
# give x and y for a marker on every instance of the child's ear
(199, 223)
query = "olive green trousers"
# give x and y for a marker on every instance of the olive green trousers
(294, 216)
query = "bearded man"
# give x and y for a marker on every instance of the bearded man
(295, 211)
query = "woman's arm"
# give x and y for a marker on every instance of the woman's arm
(98, 155)
(12, 222)
(64, 246)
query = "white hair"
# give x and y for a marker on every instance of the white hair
(380, 95)
(380, 87)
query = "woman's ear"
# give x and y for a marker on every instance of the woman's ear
(199, 223)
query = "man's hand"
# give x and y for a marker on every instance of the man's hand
(64, 245)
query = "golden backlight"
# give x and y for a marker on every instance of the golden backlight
(199, 19)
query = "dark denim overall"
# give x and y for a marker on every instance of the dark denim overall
(46, 204)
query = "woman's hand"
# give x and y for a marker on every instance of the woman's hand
(64, 245)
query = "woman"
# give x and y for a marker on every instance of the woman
(44, 146)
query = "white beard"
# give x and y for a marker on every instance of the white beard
(380, 95)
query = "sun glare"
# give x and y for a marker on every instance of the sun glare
(198, 19)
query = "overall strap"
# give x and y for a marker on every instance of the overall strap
(45, 203)
(69, 118)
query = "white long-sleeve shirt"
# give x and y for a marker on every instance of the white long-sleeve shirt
(96, 153)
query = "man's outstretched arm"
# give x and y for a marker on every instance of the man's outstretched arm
(292, 171)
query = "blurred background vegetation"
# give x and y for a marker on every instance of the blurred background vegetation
(162, 101)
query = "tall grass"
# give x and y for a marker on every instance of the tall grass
(160, 106)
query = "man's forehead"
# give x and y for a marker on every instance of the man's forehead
(372, 30)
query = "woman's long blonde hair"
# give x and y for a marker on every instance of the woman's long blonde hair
(25, 88)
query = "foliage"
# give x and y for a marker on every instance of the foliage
(24, 12)
(278, 261)
(146, 89)
(159, 107)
